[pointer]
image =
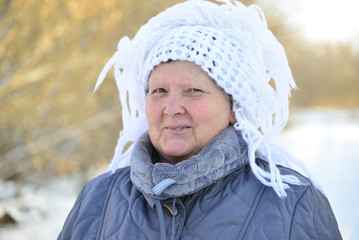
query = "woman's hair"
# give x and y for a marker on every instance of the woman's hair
(232, 43)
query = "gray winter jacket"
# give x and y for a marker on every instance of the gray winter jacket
(212, 195)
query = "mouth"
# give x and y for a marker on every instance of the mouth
(177, 128)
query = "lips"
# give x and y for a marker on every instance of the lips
(180, 128)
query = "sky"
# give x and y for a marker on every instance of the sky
(323, 20)
(330, 19)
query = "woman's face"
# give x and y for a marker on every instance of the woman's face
(185, 110)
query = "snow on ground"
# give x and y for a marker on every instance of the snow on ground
(40, 213)
(326, 141)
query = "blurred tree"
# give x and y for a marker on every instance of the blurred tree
(51, 53)
(327, 75)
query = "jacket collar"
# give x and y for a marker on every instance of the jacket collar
(223, 155)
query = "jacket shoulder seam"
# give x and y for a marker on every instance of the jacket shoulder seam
(295, 210)
(250, 215)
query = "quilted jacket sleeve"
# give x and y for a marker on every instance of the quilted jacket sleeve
(313, 218)
(84, 220)
(71, 218)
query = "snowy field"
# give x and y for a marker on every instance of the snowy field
(40, 212)
(326, 141)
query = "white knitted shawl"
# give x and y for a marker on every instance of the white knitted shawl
(233, 44)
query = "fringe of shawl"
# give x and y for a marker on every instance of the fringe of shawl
(131, 55)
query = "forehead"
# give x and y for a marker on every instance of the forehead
(180, 72)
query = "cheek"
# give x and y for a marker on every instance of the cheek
(152, 110)
(215, 113)
(201, 111)
(152, 119)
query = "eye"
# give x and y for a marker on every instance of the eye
(159, 90)
(194, 92)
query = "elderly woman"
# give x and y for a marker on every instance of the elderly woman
(204, 91)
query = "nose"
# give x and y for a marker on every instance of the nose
(174, 105)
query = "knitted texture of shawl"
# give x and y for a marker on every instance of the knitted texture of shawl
(232, 43)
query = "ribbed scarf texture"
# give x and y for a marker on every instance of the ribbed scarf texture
(224, 154)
